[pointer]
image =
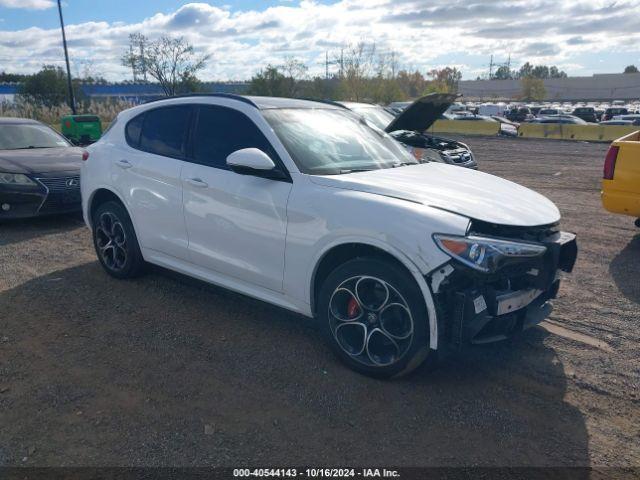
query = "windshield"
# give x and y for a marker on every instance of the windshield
(332, 142)
(18, 137)
(377, 116)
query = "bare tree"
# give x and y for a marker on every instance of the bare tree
(171, 61)
(357, 63)
(294, 71)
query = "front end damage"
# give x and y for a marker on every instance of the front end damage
(480, 307)
(427, 148)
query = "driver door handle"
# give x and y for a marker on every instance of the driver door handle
(197, 182)
(125, 164)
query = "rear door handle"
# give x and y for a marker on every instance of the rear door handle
(197, 182)
(125, 164)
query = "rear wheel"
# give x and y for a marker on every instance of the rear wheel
(115, 241)
(374, 317)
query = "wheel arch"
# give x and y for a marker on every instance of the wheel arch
(100, 196)
(340, 253)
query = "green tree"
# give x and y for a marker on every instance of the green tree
(269, 82)
(631, 69)
(533, 89)
(444, 80)
(46, 88)
(503, 73)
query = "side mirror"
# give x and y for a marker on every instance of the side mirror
(253, 161)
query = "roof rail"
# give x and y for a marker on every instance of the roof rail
(327, 102)
(231, 96)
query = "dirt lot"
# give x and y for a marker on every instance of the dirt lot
(167, 371)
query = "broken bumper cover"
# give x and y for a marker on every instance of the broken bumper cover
(493, 309)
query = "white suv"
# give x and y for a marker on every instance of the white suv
(305, 206)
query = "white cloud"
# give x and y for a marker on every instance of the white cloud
(28, 4)
(423, 35)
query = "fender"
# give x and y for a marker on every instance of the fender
(398, 255)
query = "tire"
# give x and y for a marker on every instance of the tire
(373, 316)
(115, 241)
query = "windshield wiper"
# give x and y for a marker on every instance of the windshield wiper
(402, 164)
(30, 147)
(356, 170)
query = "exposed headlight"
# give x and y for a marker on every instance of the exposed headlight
(487, 255)
(15, 179)
(425, 154)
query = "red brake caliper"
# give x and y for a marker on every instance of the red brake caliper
(353, 309)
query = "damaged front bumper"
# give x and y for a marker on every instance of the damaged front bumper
(478, 308)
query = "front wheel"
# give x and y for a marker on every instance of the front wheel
(115, 241)
(373, 315)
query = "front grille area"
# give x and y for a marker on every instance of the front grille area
(61, 184)
(459, 156)
(64, 194)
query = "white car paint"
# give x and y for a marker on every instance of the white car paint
(265, 238)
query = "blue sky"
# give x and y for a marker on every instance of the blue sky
(581, 37)
(79, 11)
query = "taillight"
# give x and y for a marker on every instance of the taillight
(85, 155)
(610, 163)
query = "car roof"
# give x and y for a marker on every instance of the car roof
(261, 103)
(17, 121)
(270, 103)
(351, 105)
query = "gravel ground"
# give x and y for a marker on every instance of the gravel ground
(164, 370)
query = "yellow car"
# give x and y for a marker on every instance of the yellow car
(621, 178)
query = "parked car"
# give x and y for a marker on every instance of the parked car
(548, 111)
(568, 119)
(588, 114)
(410, 128)
(617, 122)
(398, 107)
(621, 177)
(39, 170)
(304, 205)
(506, 126)
(519, 114)
(633, 118)
(611, 112)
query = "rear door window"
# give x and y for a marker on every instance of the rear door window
(164, 131)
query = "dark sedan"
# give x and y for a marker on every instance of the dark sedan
(39, 170)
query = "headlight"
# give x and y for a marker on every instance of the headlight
(15, 179)
(487, 254)
(424, 154)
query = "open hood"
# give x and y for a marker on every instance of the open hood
(421, 114)
(466, 192)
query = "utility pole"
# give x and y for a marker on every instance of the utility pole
(326, 65)
(72, 100)
(491, 67)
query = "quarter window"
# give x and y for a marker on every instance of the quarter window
(221, 131)
(132, 132)
(164, 131)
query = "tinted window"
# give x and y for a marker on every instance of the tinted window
(134, 127)
(165, 131)
(221, 131)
